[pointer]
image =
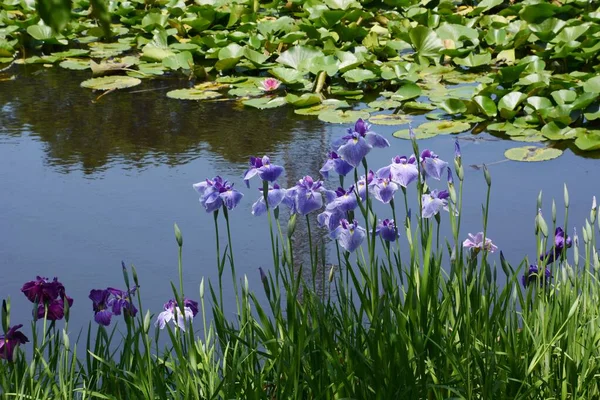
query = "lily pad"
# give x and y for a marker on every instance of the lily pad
(343, 117)
(419, 135)
(444, 127)
(326, 105)
(553, 131)
(384, 104)
(407, 92)
(532, 153)
(418, 106)
(265, 102)
(389, 119)
(588, 141)
(193, 94)
(76, 65)
(111, 82)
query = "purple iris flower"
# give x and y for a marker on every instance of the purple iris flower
(101, 305)
(387, 230)
(383, 189)
(335, 163)
(306, 196)
(264, 169)
(357, 143)
(432, 164)
(433, 202)
(560, 241)
(10, 341)
(275, 196)
(363, 183)
(56, 309)
(330, 219)
(403, 170)
(217, 192)
(349, 235)
(342, 200)
(456, 149)
(533, 274)
(173, 313)
(48, 295)
(476, 243)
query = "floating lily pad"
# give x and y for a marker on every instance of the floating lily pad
(265, 102)
(531, 153)
(405, 134)
(343, 117)
(111, 82)
(193, 94)
(245, 91)
(417, 105)
(76, 65)
(555, 132)
(389, 119)
(588, 141)
(444, 127)
(384, 104)
(326, 105)
(107, 50)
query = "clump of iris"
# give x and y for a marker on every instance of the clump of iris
(48, 296)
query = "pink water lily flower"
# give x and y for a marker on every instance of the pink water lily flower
(270, 84)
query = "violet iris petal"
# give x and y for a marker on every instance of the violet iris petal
(387, 230)
(402, 170)
(264, 169)
(275, 196)
(42, 290)
(383, 189)
(560, 241)
(121, 300)
(349, 235)
(330, 219)
(475, 242)
(432, 164)
(363, 184)
(532, 275)
(342, 200)
(358, 142)
(217, 192)
(173, 313)
(433, 202)
(306, 195)
(335, 163)
(102, 312)
(56, 309)
(10, 341)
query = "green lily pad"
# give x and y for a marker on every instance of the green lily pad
(532, 154)
(384, 104)
(245, 91)
(107, 50)
(265, 102)
(298, 57)
(326, 105)
(592, 85)
(419, 135)
(418, 106)
(444, 127)
(553, 131)
(343, 117)
(453, 106)
(193, 94)
(486, 105)
(407, 92)
(74, 64)
(111, 82)
(588, 141)
(389, 119)
(358, 75)
(306, 100)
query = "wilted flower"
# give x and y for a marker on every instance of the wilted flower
(402, 170)
(49, 296)
(533, 274)
(432, 164)
(433, 202)
(335, 163)
(383, 189)
(476, 243)
(357, 143)
(363, 184)
(275, 196)
(342, 200)
(270, 84)
(387, 230)
(172, 312)
(560, 241)
(264, 169)
(217, 192)
(349, 235)
(305, 197)
(10, 341)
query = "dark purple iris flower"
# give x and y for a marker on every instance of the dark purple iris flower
(383, 189)
(363, 184)
(433, 166)
(532, 275)
(433, 202)
(305, 197)
(264, 169)
(173, 313)
(560, 241)
(349, 235)
(403, 170)
(48, 295)
(335, 163)
(111, 301)
(10, 341)
(357, 143)
(275, 196)
(217, 192)
(342, 200)
(387, 230)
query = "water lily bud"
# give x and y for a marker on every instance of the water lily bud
(291, 226)
(178, 236)
(566, 194)
(331, 272)
(486, 174)
(594, 211)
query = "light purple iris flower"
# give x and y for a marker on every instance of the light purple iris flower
(275, 196)
(173, 313)
(349, 235)
(305, 197)
(363, 184)
(433, 202)
(330, 219)
(432, 164)
(357, 143)
(403, 170)
(476, 243)
(387, 230)
(383, 189)
(217, 192)
(342, 200)
(560, 241)
(335, 163)
(264, 169)
(10, 341)
(532, 275)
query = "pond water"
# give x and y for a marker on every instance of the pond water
(89, 182)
